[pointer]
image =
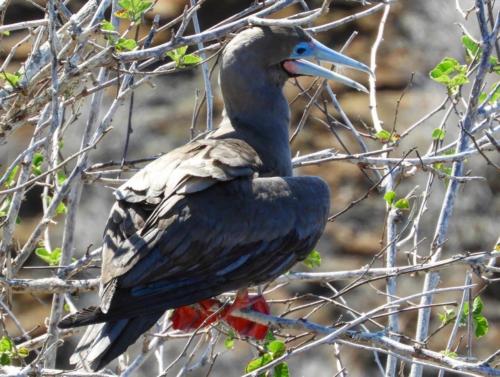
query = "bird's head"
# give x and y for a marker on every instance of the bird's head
(281, 53)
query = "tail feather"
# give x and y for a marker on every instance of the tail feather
(84, 345)
(103, 342)
(84, 317)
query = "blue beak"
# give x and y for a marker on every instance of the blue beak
(316, 50)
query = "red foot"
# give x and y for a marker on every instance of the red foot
(191, 317)
(243, 326)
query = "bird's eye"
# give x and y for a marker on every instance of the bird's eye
(300, 50)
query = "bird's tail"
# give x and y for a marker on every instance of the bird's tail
(103, 342)
(84, 317)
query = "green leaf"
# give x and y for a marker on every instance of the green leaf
(179, 55)
(56, 255)
(10, 181)
(383, 135)
(441, 72)
(277, 348)
(465, 310)
(144, 5)
(37, 159)
(473, 49)
(402, 203)
(111, 37)
(313, 259)
(479, 321)
(4, 359)
(481, 326)
(471, 46)
(495, 65)
(442, 167)
(61, 177)
(270, 337)
(124, 44)
(132, 9)
(36, 164)
(106, 25)
(438, 134)
(281, 370)
(66, 308)
(258, 362)
(448, 316)
(229, 341)
(11, 79)
(140, 9)
(451, 354)
(389, 197)
(4, 208)
(495, 94)
(180, 51)
(190, 59)
(6, 33)
(477, 306)
(43, 254)
(51, 258)
(6, 344)
(61, 208)
(23, 352)
(173, 55)
(125, 4)
(450, 73)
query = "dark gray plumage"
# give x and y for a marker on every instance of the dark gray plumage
(214, 215)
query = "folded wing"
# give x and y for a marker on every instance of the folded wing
(230, 235)
(195, 223)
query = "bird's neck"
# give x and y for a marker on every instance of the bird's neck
(260, 117)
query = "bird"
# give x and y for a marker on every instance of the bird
(220, 213)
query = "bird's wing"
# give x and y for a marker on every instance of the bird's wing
(191, 168)
(230, 235)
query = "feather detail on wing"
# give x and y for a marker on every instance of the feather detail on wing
(185, 231)
(192, 247)
(189, 169)
(154, 190)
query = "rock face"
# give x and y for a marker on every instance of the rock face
(417, 37)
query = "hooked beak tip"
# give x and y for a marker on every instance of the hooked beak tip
(356, 85)
(304, 67)
(359, 67)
